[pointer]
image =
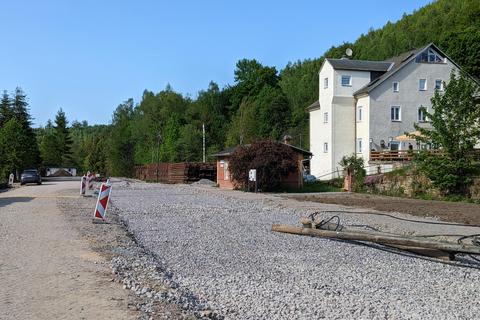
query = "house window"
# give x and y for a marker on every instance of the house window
(359, 145)
(325, 147)
(325, 117)
(395, 113)
(422, 117)
(346, 81)
(422, 84)
(325, 83)
(359, 114)
(439, 85)
(396, 87)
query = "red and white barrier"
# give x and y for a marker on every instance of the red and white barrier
(83, 185)
(102, 201)
(90, 178)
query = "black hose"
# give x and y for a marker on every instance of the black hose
(404, 219)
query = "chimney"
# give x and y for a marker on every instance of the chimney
(287, 139)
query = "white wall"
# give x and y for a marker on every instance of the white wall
(343, 129)
(363, 127)
(339, 132)
(320, 132)
(359, 79)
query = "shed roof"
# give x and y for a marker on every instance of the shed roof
(228, 152)
(314, 106)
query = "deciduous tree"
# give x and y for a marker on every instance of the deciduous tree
(455, 122)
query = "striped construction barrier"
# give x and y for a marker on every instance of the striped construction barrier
(102, 201)
(83, 185)
(90, 179)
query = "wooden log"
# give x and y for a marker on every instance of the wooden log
(434, 253)
(379, 238)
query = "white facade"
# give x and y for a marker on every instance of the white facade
(380, 102)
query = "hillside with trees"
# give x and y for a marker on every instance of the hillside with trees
(263, 102)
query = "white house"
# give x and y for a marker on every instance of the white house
(364, 105)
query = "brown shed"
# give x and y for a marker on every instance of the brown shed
(224, 179)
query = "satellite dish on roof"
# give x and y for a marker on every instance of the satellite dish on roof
(349, 52)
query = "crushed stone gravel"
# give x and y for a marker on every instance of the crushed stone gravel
(218, 253)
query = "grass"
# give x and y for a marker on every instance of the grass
(448, 198)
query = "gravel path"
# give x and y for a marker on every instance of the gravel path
(217, 247)
(47, 270)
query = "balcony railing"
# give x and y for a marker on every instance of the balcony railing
(407, 155)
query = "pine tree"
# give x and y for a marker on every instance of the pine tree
(63, 138)
(20, 109)
(30, 156)
(5, 108)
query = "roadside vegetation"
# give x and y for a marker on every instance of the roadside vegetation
(263, 103)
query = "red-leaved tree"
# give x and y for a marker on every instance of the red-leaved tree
(272, 160)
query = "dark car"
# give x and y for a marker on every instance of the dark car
(30, 176)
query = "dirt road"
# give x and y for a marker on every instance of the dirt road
(459, 212)
(47, 270)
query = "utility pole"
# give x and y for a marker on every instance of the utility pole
(203, 130)
(158, 151)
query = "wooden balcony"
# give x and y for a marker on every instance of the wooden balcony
(392, 156)
(407, 155)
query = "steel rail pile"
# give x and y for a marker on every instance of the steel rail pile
(438, 249)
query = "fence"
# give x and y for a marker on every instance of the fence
(183, 172)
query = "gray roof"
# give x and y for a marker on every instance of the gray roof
(229, 151)
(224, 153)
(361, 65)
(398, 63)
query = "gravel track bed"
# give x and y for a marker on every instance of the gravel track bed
(218, 247)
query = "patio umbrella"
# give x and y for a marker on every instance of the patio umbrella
(406, 137)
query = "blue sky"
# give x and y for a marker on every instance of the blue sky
(89, 56)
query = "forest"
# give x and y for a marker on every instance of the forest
(263, 102)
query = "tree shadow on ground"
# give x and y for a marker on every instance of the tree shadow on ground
(9, 200)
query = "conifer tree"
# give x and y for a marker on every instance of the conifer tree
(63, 138)
(30, 156)
(5, 108)
(49, 150)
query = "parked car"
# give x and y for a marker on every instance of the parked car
(309, 178)
(30, 176)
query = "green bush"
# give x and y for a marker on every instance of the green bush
(356, 166)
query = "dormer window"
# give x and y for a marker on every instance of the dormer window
(346, 81)
(429, 56)
(325, 83)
